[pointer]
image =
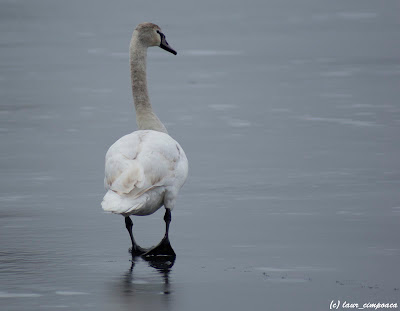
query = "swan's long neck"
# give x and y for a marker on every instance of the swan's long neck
(145, 117)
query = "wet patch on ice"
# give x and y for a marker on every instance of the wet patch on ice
(288, 275)
(350, 213)
(292, 269)
(396, 208)
(14, 198)
(70, 293)
(18, 295)
(44, 117)
(222, 107)
(236, 123)
(341, 121)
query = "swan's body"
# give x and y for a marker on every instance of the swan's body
(144, 170)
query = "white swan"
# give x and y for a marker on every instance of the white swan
(144, 170)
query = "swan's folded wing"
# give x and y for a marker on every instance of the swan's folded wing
(123, 174)
(135, 164)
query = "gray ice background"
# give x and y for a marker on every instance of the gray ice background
(289, 114)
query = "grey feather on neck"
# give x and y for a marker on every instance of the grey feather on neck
(146, 119)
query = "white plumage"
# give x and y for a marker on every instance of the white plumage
(144, 170)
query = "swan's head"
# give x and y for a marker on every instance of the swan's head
(151, 35)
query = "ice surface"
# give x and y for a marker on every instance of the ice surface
(288, 112)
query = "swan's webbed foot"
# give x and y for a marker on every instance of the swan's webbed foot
(162, 250)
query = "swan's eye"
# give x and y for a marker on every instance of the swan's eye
(161, 34)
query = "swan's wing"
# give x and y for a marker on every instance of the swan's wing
(141, 161)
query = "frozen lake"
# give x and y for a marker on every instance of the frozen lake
(289, 114)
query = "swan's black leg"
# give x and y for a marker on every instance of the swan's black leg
(167, 219)
(164, 247)
(136, 250)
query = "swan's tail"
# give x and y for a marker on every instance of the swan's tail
(115, 203)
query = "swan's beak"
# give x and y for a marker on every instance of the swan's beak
(165, 46)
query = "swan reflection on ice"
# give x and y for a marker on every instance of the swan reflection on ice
(146, 290)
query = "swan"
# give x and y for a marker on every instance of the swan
(144, 170)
